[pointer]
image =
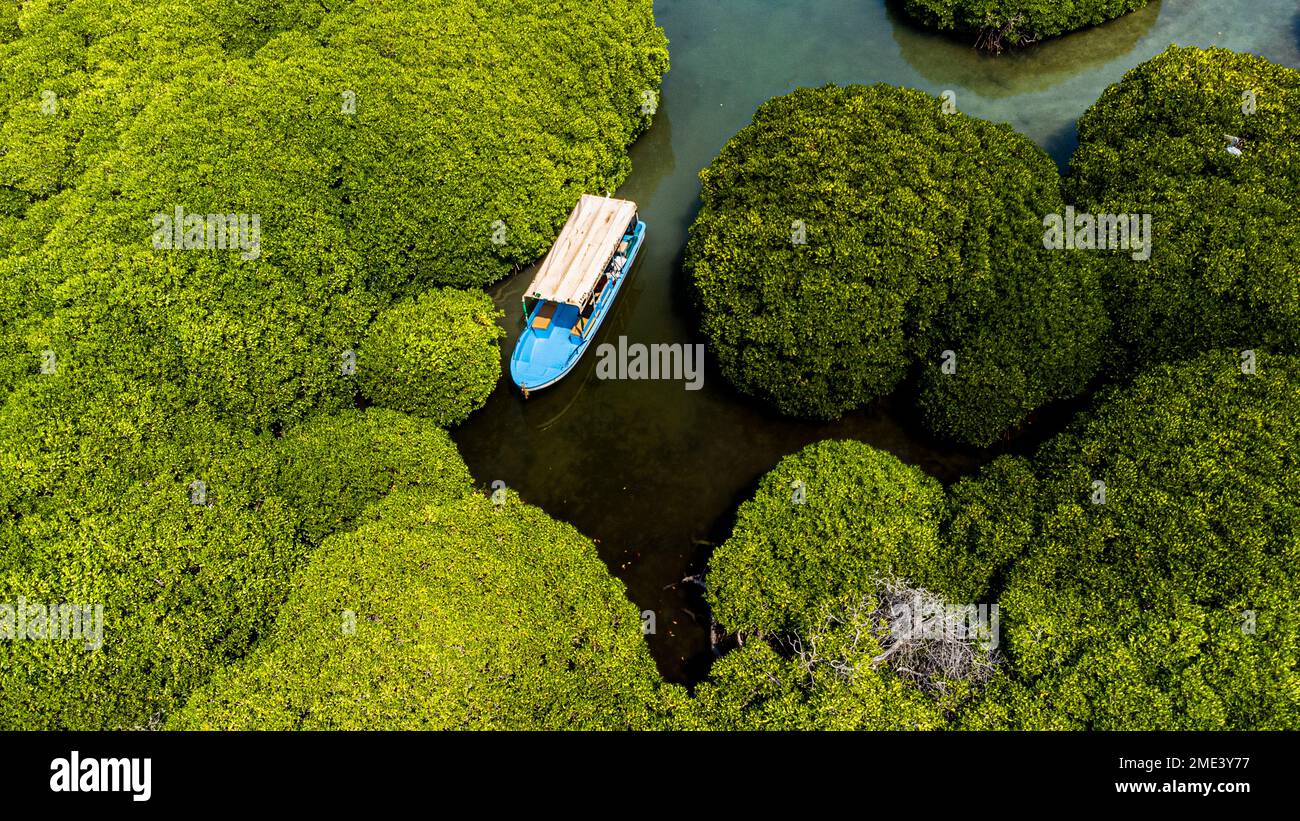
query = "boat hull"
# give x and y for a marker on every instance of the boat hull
(540, 359)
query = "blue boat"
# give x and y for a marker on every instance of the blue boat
(574, 289)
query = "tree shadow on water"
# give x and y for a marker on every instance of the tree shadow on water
(1061, 145)
(952, 60)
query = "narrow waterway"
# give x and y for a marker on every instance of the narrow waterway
(654, 472)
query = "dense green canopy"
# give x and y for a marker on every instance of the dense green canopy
(1145, 564)
(851, 236)
(330, 468)
(1172, 603)
(434, 356)
(1226, 233)
(329, 160)
(808, 581)
(180, 444)
(825, 521)
(113, 494)
(377, 159)
(447, 615)
(759, 687)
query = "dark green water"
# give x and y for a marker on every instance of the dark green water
(652, 471)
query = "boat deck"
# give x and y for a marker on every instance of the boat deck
(549, 347)
(546, 351)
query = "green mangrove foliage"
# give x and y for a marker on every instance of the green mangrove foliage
(251, 206)
(480, 122)
(1145, 565)
(1222, 270)
(818, 581)
(1159, 589)
(211, 211)
(204, 206)
(447, 615)
(762, 687)
(1002, 23)
(826, 521)
(990, 521)
(851, 236)
(9, 21)
(434, 356)
(331, 468)
(157, 526)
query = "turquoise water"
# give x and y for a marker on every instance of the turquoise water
(654, 472)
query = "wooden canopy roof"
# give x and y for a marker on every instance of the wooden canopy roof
(581, 252)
